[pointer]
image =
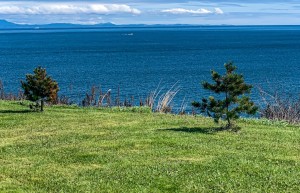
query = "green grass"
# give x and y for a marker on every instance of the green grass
(71, 149)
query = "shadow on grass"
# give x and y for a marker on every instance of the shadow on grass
(15, 112)
(208, 130)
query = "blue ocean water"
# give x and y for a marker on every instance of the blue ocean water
(138, 59)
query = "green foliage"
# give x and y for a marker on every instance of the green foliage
(40, 87)
(235, 102)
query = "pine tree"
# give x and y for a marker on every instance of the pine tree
(232, 87)
(40, 87)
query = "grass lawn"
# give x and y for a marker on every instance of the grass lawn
(71, 149)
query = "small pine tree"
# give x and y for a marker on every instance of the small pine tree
(233, 88)
(40, 87)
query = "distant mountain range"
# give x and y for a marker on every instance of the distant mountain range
(9, 25)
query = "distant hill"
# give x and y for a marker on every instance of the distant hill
(6, 24)
(69, 25)
(9, 25)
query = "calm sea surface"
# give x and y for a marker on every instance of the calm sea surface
(138, 59)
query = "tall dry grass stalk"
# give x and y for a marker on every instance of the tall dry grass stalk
(164, 102)
(106, 96)
(183, 107)
(151, 98)
(279, 106)
(10, 96)
(97, 98)
(63, 100)
(157, 100)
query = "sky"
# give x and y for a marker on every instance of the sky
(206, 12)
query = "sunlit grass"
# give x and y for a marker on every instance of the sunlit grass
(72, 149)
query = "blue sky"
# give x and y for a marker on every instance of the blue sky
(213, 12)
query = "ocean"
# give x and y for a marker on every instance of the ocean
(137, 60)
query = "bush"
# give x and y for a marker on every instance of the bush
(280, 107)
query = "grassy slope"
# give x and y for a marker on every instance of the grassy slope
(69, 149)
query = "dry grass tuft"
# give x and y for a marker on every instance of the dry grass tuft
(280, 107)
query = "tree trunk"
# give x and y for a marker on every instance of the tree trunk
(42, 105)
(228, 123)
(227, 110)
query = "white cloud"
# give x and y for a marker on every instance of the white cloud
(40, 8)
(191, 11)
(183, 11)
(219, 11)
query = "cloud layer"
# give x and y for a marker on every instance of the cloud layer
(39, 8)
(216, 12)
(191, 11)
